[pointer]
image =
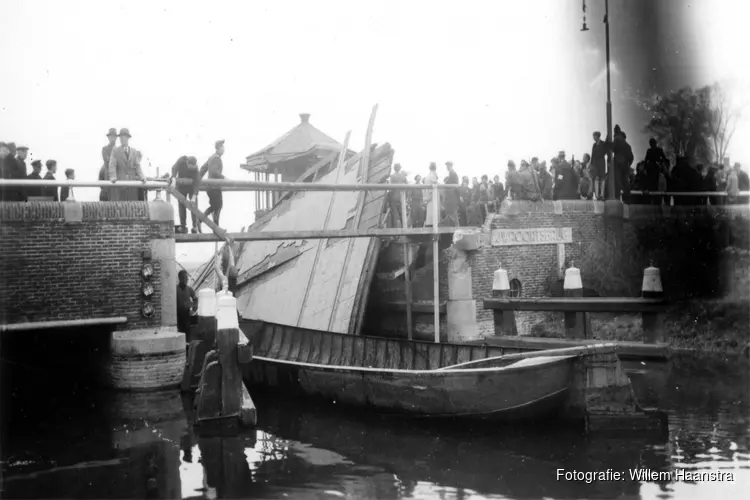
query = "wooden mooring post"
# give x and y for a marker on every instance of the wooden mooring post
(201, 339)
(222, 400)
(577, 324)
(505, 320)
(652, 321)
(407, 270)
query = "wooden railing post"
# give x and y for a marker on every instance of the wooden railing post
(651, 289)
(436, 260)
(200, 339)
(505, 321)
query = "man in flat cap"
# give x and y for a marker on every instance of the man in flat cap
(125, 165)
(14, 168)
(186, 167)
(214, 167)
(35, 175)
(106, 155)
(51, 191)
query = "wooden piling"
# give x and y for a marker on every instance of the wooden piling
(652, 321)
(436, 261)
(505, 321)
(202, 339)
(407, 270)
(223, 399)
(577, 324)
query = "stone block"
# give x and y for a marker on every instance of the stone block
(147, 341)
(73, 212)
(462, 320)
(459, 278)
(160, 211)
(466, 240)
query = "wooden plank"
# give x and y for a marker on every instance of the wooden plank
(277, 337)
(407, 271)
(421, 352)
(423, 307)
(295, 345)
(336, 349)
(358, 354)
(219, 232)
(393, 354)
(231, 377)
(363, 175)
(347, 351)
(321, 243)
(435, 356)
(407, 356)
(286, 337)
(450, 354)
(325, 349)
(464, 354)
(381, 352)
(316, 341)
(416, 233)
(266, 340)
(369, 352)
(305, 348)
(577, 304)
(363, 287)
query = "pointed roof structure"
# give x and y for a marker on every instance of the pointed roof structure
(294, 151)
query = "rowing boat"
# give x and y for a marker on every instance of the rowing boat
(421, 378)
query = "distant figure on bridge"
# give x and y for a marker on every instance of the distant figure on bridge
(394, 197)
(599, 152)
(35, 175)
(623, 159)
(743, 182)
(452, 200)
(187, 301)
(566, 180)
(51, 191)
(106, 155)
(187, 168)
(432, 178)
(125, 165)
(214, 167)
(416, 206)
(66, 193)
(12, 170)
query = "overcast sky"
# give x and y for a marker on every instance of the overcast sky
(477, 83)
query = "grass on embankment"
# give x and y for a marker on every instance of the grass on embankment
(717, 325)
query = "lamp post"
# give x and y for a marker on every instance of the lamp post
(610, 167)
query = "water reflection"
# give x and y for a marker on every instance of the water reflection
(87, 444)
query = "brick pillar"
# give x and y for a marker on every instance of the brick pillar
(153, 357)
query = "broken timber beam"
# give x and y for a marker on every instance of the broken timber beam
(390, 232)
(221, 234)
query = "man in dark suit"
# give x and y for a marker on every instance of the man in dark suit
(566, 180)
(187, 168)
(451, 198)
(35, 175)
(51, 191)
(598, 164)
(125, 165)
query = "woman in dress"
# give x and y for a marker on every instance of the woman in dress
(432, 178)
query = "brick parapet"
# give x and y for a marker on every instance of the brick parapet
(53, 268)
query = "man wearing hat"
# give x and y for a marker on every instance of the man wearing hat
(35, 175)
(106, 155)
(125, 165)
(14, 168)
(51, 191)
(214, 166)
(566, 180)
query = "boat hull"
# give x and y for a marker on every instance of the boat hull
(401, 376)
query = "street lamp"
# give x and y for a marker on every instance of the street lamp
(610, 168)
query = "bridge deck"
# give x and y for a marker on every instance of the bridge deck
(412, 233)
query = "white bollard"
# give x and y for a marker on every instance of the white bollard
(500, 284)
(651, 287)
(226, 316)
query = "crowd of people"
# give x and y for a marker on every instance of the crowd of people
(569, 180)
(469, 204)
(121, 162)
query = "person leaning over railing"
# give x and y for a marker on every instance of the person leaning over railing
(186, 167)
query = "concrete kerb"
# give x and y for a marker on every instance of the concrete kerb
(145, 341)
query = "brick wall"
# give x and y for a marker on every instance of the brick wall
(532, 265)
(64, 261)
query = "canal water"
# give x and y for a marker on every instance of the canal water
(64, 439)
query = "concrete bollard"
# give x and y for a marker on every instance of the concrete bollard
(202, 339)
(505, 321)
(651, 289)
(577, 324)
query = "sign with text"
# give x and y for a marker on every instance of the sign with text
(538, 236)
